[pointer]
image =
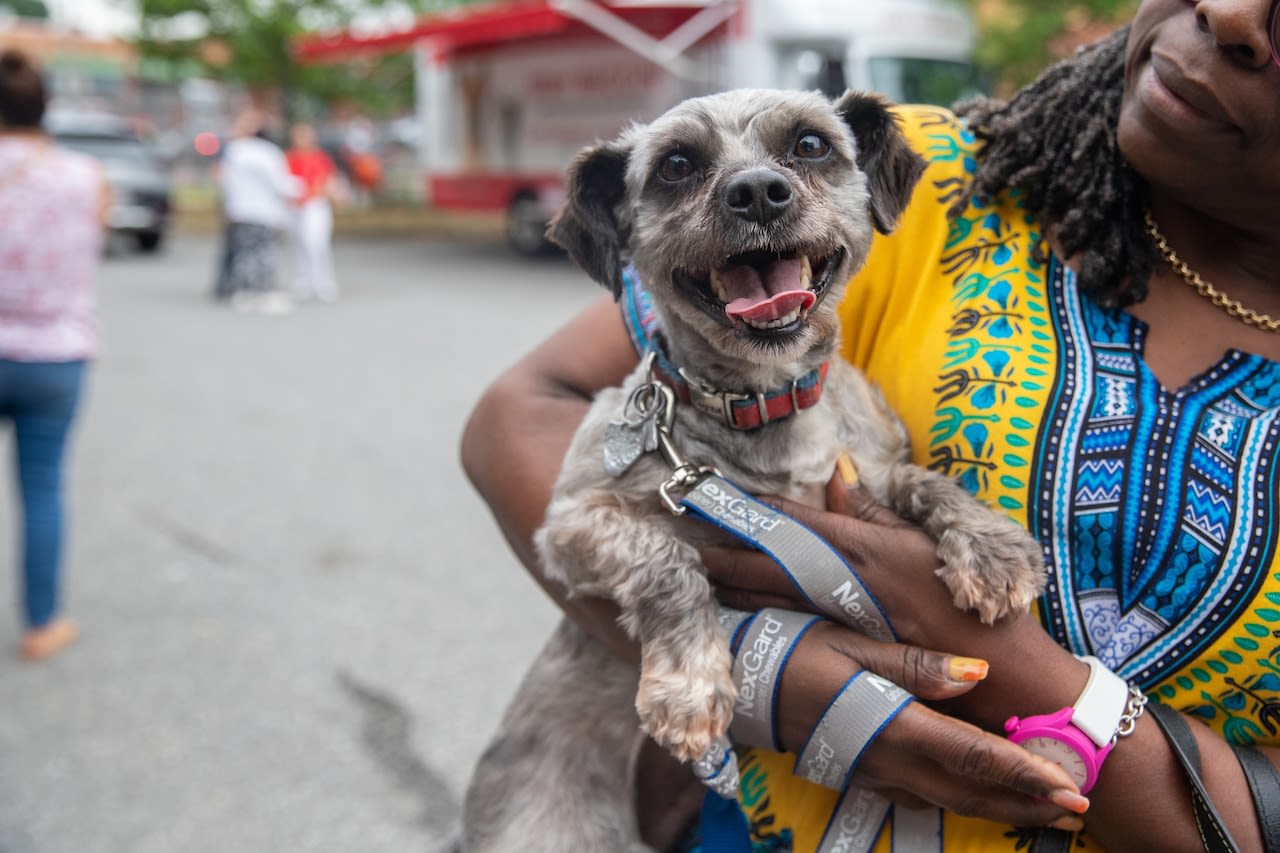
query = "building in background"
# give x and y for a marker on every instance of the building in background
(508, 91)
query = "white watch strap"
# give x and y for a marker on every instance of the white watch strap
(1101, 704)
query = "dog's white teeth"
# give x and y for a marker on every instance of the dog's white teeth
(806, 273)
(717, 287)
(785, 320)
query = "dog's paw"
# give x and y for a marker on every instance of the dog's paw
(687, 707)
(995, 569)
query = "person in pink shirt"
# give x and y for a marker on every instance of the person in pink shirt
(52, 205)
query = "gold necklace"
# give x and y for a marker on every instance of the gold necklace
(1204, 288)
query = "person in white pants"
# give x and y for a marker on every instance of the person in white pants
(313, 216)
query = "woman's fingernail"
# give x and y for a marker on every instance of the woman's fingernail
(968, 669)
(848, 473)
(1067, 823)
(1069, 800)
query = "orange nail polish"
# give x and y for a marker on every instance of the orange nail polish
(848, 473)
(1069, 800)
(968, 669)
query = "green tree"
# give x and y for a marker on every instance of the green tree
(1019, 38)
(250, 42)
(27, 8)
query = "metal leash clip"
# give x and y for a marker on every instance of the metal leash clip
(684, 474)
(646, 424)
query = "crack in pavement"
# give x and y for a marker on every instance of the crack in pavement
(188, 538)
(387, 736)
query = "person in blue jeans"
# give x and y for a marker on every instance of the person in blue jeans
(41, 400)
(52, 205)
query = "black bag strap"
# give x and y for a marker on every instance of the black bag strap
(1264, 786)
(1213, 830)
(1049, 840)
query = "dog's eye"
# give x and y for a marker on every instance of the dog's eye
(676, 167)
(811, 146)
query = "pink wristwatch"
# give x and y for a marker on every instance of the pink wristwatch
(1079, 738)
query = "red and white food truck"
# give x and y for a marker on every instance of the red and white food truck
(508, 91)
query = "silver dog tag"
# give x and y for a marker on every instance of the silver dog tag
(623, 445)
(636, 434)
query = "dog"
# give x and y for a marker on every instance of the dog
(744, 213)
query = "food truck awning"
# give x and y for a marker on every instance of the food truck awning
(661, 30)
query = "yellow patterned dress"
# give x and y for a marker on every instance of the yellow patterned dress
(1155, 504)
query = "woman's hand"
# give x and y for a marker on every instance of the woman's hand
(898, 563)
(895, 560)
(924, 757)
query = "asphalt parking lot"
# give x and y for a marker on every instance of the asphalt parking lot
(299, 623)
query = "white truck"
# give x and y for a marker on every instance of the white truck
(508, 91)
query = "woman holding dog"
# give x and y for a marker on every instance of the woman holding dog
(1074, 318)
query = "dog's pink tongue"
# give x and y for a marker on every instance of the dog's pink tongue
(764, 294)
(771, 308)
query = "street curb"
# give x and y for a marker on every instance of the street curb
(376, 222)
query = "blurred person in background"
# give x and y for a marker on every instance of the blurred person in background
(222, 291)
(53, 206)
(256, 191)
(313, 215)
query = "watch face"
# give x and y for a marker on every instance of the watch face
(1060, 754)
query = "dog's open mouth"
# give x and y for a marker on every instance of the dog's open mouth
(765, 294)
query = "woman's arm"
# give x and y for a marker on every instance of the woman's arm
(1142, 800)
(518, 434)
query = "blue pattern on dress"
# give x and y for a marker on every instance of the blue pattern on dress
(1149, 562)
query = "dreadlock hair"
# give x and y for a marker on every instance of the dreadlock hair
(1055, 142)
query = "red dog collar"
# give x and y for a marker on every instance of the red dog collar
(743, 411)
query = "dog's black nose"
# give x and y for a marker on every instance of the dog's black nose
(758, 195)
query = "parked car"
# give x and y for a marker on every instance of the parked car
(141, 187)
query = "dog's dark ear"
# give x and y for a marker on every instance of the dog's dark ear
(587, 225)
(892, 168)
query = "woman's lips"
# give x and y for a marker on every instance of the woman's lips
(1174, 93)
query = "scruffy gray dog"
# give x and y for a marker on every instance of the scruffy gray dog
(744, 213)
